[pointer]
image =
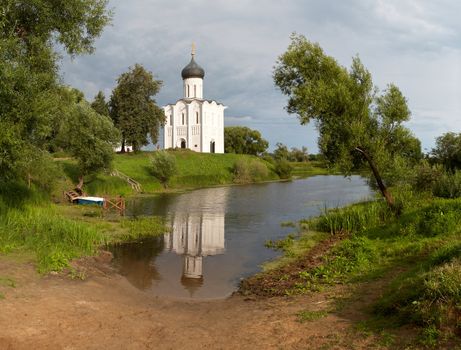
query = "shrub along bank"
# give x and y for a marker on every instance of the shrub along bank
(420, 250)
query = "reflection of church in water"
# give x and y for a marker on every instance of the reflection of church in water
(196, 236)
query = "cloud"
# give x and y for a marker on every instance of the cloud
(415, 44)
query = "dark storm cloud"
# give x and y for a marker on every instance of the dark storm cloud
(415, 44)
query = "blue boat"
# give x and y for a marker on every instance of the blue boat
(90, 201)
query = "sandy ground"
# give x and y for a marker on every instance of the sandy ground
(106, 312)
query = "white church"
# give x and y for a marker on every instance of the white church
(194, 122)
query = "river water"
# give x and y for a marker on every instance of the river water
(217, 234)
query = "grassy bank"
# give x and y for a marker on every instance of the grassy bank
(194, 170)
(418, 252)
(54, 235)
(311, 168)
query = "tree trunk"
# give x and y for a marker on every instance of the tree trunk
(79, 187)
(384, 191)
(122, 150)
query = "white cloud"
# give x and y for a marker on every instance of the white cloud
(415, 44)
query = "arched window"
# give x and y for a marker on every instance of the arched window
(196, 117)
(171, 119)
(183, 119)
(195, 90)
(188, 92)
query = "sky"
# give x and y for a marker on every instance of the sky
(415, 44)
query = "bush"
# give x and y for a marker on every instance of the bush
(249, 171)
(448, 185)
(283, 168)
(163, 166)
(426, 176)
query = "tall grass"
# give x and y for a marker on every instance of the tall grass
(425, 241)
(355, 218)
(54, 239)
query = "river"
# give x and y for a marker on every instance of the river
(217, 234)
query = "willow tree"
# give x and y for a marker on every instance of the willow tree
(357, 126)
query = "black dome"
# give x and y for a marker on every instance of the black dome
(192, 70)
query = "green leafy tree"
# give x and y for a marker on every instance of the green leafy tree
(89, 137)
(299, 154)
(281, 151)
(163, 166)
(100, 105)
(30, 93)
(357, 127)
(447, 150)
(133, 109)
(243, 140)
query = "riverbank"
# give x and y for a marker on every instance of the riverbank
(105, 311)
(194, 170)
(354, 278)
(415, 258)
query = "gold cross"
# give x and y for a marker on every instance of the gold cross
(193, 49)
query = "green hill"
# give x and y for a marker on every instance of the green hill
(194, 170)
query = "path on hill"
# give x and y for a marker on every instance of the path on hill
(106, 312)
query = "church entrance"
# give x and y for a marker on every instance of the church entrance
(183, 143)
(212, 147)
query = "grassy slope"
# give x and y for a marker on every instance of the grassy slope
(421, 250)
(195, 170)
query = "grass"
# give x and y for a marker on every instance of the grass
(309, 316)
(421, 249)
(311, 168)
(194, 170)
(55, 235)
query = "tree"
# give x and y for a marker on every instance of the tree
(163, 166)
(100, 105)
(133, 109)
(447, 150)
(243, 140)
(299, 155)
(30, 93)
(89, 137)
(356, 125)
(281, 152)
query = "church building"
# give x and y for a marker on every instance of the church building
(194, 122)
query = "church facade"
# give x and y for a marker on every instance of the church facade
(193, 122)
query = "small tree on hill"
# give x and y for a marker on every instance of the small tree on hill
(163, 166)
(243, 140)
(356, 126)
(90, 138)
(133, 109)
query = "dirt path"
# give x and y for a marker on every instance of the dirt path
(106, 312)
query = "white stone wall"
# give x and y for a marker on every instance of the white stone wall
(193, 88)
(213, 127)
